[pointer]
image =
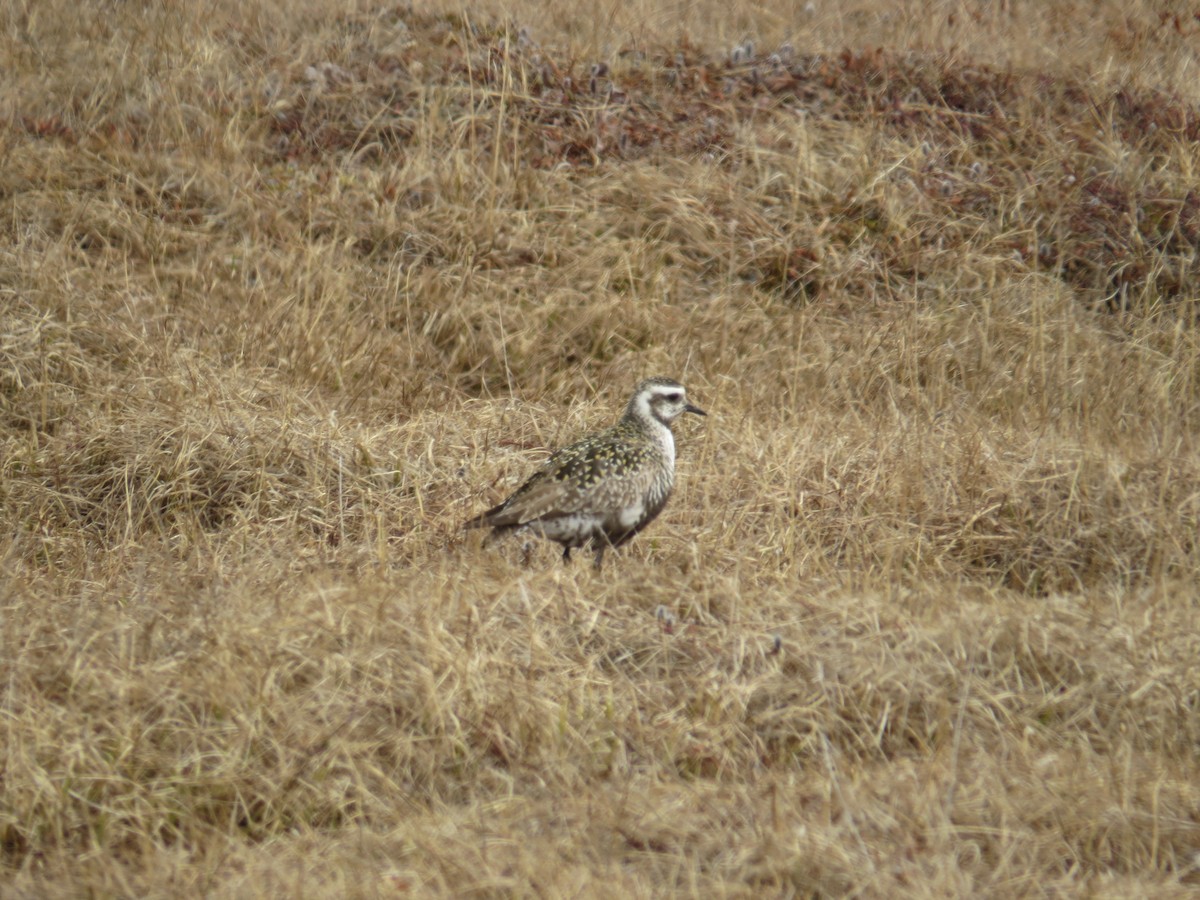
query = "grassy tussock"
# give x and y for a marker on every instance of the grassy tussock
(287, 295)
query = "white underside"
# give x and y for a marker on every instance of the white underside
(574, 529)
(631, 515)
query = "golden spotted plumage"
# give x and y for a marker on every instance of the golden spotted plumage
(608, 486)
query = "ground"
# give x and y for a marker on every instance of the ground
(288, 292)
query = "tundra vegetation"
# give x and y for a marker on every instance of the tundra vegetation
(289, 291)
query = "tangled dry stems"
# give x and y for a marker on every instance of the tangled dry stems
(285, 299)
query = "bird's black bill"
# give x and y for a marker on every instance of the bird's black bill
(694, 409)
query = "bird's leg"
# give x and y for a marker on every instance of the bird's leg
(600, 545)
(566, 553)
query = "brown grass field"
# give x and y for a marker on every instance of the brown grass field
(288, 291)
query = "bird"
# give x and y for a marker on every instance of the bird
(606, 487)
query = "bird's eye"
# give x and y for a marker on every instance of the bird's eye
(674, 398)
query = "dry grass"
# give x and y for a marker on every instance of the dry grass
(288, 292)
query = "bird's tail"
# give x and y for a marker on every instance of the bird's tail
(479, 521)
(488, 520)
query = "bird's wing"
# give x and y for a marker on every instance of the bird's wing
(571, 480)
(538, 498)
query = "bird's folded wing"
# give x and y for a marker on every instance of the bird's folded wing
(538, 498)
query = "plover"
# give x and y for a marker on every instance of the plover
(608, 486)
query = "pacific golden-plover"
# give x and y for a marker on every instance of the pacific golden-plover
(607, 487)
